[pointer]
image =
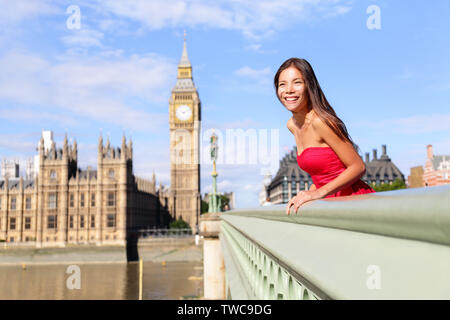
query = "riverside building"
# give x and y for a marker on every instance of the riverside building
(62, 204)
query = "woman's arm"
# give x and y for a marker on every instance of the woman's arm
(312, 187)
(355, 167)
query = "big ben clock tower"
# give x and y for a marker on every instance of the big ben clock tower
(184, 120)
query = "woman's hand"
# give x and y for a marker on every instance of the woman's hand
(301, 198)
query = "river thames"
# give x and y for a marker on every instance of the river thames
(116, 281)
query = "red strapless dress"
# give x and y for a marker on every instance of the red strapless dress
(324, 165)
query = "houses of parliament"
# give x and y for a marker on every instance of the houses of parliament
(59, 204)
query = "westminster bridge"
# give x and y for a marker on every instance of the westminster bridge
(387, 245)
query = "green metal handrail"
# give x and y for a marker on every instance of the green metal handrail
(327, 249)
(420, 213)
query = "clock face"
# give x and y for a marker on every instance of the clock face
(183, 112)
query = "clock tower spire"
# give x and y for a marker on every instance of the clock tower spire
(184, 122)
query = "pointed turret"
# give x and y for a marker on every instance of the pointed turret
(184, 62)
(41, 148)
(154, 181)
(75, 150)
(123, 154)
(130, 149)
(65, 147)
(100, 149)
(100, 143)
(184, 67)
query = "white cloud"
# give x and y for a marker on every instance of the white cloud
(15, 11)
(253, 73)
(255, 19)
(95, 88)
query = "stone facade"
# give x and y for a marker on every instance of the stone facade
(65, 205)
(415, 180)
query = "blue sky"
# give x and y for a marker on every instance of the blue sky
(114, 75)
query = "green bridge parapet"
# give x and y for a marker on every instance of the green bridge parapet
(387, 245)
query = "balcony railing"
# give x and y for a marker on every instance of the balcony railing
(165, 233)
(387, 245)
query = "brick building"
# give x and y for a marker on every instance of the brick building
(437, 169)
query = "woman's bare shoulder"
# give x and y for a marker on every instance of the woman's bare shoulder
(290, 125)
(318, 123)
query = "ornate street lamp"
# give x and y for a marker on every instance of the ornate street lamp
(214, 197)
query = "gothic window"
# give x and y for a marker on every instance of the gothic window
(92, 221)
(12, 223)
(71, 200)
(28, 203)
(71, 222)
(53, 174)
(51, 222)
(111, 220)
(82, 200)
(111, 173)
(13, 203)
(285, 190)
(293, 186)
(93, 200)
(111, 199)
(52, 201)
(81, 222)
(301, 184)
(27, 222)
(0, 203)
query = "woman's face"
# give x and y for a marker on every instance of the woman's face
(292, 90)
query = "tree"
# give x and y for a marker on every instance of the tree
(224, 201)
(179, 224)
(396, 185)
(205, 207)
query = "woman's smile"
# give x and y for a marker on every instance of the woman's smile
(291, 99)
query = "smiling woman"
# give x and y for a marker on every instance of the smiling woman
(326, 150)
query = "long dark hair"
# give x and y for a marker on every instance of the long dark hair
(316, 97)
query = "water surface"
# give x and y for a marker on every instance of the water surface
(117, 281)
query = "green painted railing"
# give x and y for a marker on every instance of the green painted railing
(388, 245)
